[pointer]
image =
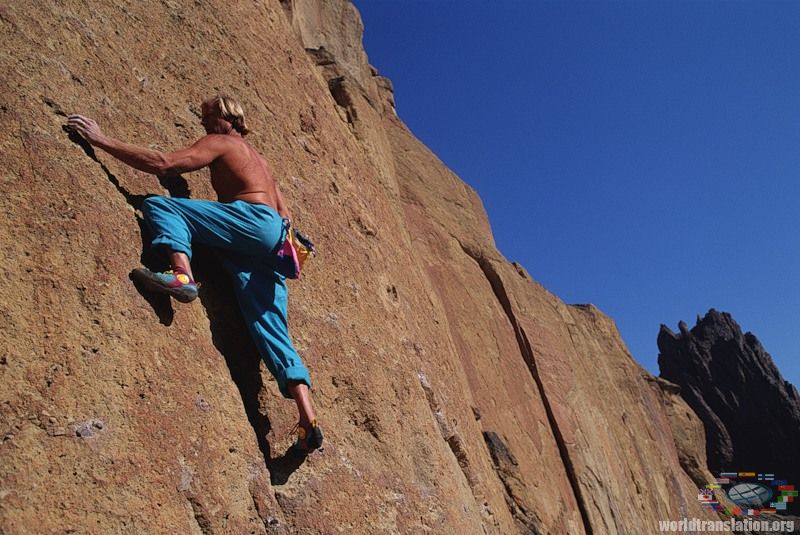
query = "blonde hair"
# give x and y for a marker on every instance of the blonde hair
(230, 110)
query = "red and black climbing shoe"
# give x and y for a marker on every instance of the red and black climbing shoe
(309, 437)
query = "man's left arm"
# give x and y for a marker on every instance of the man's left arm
(199, 155)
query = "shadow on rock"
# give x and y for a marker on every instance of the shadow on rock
(232, 339)
(160, 303)
(280, 468)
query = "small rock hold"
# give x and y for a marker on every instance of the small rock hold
(186, 479)
(90, 351)
(365, 225)
(392, 292)
(88, 429)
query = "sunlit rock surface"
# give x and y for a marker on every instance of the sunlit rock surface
(457, 395)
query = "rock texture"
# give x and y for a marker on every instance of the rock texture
(751, 414)
(457, 394)
(687, 429)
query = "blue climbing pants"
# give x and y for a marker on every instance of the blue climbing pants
(246, 235)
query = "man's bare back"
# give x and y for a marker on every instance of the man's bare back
(242, 174)
(238, 172)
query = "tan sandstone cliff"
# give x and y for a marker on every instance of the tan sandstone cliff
(457, 395)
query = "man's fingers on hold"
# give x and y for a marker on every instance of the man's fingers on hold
(79, 120)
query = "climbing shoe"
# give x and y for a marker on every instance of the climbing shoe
(309, 437)
(174, 282)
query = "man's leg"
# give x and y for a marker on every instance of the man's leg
(309, 434)
(176, 223)
(239, 228)
(180, 261)
(171, 229)
(300, 393)
(262, 297)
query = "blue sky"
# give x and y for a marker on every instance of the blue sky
(640, 156)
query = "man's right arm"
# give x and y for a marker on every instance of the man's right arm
(152, 161)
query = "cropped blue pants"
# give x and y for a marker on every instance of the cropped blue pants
(245, 235)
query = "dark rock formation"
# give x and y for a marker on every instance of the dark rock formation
(751, 414)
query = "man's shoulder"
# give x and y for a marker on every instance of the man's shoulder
(215, 138)
(220, 142)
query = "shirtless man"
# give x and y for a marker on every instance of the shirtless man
(246, 226)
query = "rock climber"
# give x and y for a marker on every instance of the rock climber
(247, 226)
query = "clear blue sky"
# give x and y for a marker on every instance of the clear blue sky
(640, 156)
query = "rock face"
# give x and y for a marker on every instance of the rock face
(456, 394)
(687, 429)
(751, 414)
